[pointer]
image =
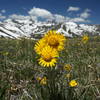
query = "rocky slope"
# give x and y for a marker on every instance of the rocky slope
(15, 28)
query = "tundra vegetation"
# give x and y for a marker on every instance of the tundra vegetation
(64, 69)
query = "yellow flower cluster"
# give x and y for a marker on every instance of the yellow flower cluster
(48, 48)
(43, 81)
(85, 39)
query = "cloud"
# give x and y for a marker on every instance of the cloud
(87, 10)
(2, 17)
(39, 12)
(73, 9)
(43, 13)
(85, 14)
(78, 19)
(22, 17)
(59, 18)
(3, 11)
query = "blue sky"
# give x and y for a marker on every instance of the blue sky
(81, 11)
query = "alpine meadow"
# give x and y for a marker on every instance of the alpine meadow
(64, 69)
(49, 49)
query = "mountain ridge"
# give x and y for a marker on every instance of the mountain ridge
(15, 28)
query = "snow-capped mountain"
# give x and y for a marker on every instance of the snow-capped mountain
(72, 29)
(15, 28)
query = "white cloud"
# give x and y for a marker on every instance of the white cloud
(73, 9)
(78, 19)
(34, 18)
(15, 16)
(43, 13)
(2, 17)
(38, 12)
(87, 10)
(22, 17)
(86, 13)
(3, 11)
(59, 18)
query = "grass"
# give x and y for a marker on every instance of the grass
(19, 68)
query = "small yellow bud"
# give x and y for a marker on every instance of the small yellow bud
(43, 81)
(73, 83)
(67, 67)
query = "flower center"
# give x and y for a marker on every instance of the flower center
(53, 42)
(47, 57)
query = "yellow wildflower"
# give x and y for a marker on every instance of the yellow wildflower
(67, 67)
(43, 81)
(85, 39)
(39, 46)
(73, 83)
(39, 78)
(48, 57)
(55, 40)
